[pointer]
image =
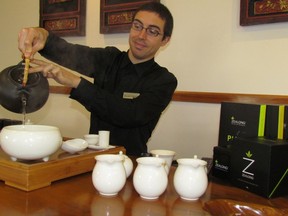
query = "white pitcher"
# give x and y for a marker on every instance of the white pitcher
(109, 175)
(190, 178)
(150, 179)
(128, 164)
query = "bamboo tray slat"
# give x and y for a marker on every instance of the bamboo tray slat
(32, 175)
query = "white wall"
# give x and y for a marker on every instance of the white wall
(209, 51)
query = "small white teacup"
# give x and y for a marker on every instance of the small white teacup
(167, 155)
(92, 139)
(104, 137)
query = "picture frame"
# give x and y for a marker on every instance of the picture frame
(63, 17)
(254, 12)
(116, 15)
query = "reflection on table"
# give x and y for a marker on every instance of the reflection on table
(77, 196)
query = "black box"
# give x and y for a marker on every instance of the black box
(285, 124)
(221, 162)
(260, 165)
(244, 120)
(276, 122)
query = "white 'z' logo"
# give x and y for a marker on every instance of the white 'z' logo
(245, 169)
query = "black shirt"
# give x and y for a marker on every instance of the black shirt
(127, 99)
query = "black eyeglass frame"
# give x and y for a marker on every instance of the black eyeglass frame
(153, 31)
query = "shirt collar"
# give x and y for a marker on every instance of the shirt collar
(141, 68)
(144, 67)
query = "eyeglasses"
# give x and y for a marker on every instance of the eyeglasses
(151, 31)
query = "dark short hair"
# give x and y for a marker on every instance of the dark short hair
(163, 13)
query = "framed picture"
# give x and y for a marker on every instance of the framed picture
(253, 12)
(116, 15)
(63, 17)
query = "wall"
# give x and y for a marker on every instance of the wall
(209, 52)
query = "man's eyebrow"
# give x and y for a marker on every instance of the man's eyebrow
(138, 21)
(154, 26)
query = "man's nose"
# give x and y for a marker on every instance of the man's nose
(143, 33)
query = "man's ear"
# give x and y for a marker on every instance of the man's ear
(165, 41)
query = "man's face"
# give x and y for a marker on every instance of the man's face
(143, 46)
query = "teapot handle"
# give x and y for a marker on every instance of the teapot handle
(21, 62)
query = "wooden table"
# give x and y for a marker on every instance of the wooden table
(31, 175)
(77, 196)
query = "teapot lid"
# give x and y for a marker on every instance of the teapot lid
(16, 75)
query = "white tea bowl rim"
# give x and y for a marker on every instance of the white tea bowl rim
(76, 143)
(163, 152)
(91, 135)
(30, 128)
(191, 162)
(151, 161)
(110, 158)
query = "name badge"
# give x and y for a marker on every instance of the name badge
(130, 95)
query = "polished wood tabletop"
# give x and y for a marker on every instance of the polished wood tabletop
(77, 196)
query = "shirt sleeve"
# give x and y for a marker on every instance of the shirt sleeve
(83, 59)
(127, 113)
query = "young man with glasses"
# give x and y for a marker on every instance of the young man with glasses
(130, 90)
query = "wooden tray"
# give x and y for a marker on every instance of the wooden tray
(31, 175)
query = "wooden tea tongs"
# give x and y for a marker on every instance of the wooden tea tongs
(26, 69)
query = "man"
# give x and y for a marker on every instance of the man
(130, 89)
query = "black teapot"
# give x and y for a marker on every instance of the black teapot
(22, 99)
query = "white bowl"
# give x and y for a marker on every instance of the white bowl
(92, 139)
(74, 145)
(167, 155)
(30, 142)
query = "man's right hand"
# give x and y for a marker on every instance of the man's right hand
(31, 40)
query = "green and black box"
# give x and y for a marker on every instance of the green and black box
(276, 122)
(243, 120)
(260, 165)
(221, 162)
